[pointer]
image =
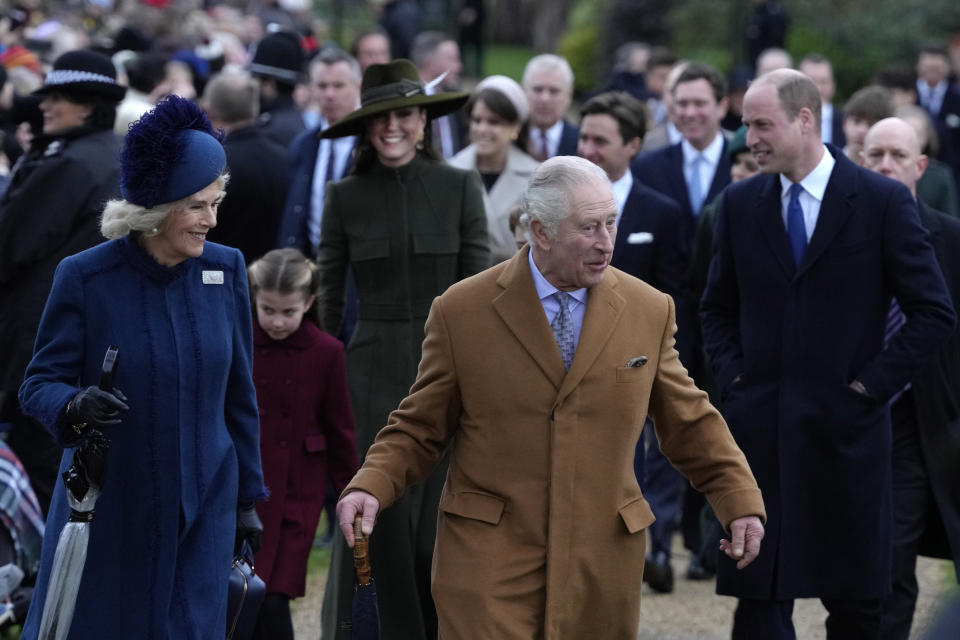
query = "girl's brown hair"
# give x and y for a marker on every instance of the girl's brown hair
(286, 271)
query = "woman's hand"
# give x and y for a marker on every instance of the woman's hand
(249, 528)
(94, 407)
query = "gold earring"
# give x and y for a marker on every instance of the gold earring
(420, 141)
(513, 136)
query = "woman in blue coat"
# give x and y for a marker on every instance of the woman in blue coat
(183, 470)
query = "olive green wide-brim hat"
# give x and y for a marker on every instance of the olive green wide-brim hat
(394, 85)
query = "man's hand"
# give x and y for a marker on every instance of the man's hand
(744, 544)
(358, 502)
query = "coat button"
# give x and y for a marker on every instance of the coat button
(283, 444)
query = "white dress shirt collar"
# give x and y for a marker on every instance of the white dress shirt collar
(621, 190)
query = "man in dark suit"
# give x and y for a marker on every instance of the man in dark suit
(648, 246)
(437, 58)
(250, 212)
(926, 416)
(548, 83)
(819, 69)
(693, 171)
(336, 77)
(806, 261)
(941, 100)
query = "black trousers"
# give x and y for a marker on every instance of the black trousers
(773, 619)
(913, 502)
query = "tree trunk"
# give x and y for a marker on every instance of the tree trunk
(549, 23)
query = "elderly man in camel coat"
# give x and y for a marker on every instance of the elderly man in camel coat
(540, 531)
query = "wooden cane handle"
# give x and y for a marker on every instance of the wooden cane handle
(361, 557)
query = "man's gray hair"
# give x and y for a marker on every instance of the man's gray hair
(549, 195)
(233, 97)
(548, 62)
(333, 55)
(425, 45)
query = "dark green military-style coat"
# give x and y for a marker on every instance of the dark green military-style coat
(407, 234)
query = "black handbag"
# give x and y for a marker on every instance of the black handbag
(245, 594)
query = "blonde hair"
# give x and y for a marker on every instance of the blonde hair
(286, 271)
(120, 217)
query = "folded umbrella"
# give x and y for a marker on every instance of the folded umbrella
(84, 482)
(365, 608)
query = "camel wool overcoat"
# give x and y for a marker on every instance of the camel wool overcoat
(540, 531)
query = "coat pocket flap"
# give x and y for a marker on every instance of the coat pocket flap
(369, 249)
(435, 243)
(315, 443)
(477, 506)
(637, 515)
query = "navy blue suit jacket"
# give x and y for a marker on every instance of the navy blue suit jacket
(569, 138)
(785, 343)
(662, 170)
(649, 245)
(294, 230)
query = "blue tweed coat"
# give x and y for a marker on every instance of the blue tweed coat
(187, 451)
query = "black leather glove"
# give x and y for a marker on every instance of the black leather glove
(93, 407)
(249, 528)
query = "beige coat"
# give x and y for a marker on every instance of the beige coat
(540, 533)
(504, 195)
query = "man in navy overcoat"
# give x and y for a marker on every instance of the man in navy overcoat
(806, 260)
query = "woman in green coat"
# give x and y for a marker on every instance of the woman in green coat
(407, 226)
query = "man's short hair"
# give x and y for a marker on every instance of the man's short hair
(661, 57)
(548, 62)
(896, 76)
(624, 54)
(929, 139)
(814, 58)
(233, 96)
(363, 35)
(701, 71)
(933, 49)
(795, 91)
(871, 103)
(549, 193)
(333, 55)
(425, 45)
(630, 114)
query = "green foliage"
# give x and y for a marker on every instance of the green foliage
(858, 36)
(580, 45)
(505, 59)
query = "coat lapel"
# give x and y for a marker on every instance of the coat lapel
(836, 207)
(604, 306)
(520, 309)
(768, 211)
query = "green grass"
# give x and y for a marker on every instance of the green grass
(505, 59)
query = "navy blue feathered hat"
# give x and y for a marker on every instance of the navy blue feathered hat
(171, 152)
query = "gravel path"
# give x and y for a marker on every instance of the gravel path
(693, 611)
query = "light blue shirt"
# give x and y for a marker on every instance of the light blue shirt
(342, 147)
(551, 306)
(814, 186)
(708, 167)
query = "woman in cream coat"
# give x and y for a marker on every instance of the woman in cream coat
(498, 108)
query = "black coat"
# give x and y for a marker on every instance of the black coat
(936, 394)
(793, 339)
(50, 211)
(249, 216)
(649, 245)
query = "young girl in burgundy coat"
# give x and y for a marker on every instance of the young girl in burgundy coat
(306, 425)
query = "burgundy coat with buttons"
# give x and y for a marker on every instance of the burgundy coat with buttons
(306, 438)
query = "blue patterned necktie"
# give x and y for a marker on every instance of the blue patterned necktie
(562, 327)
(331, 165)
(796, 229)
(694, 187)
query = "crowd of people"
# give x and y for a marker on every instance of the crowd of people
(525, 340)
